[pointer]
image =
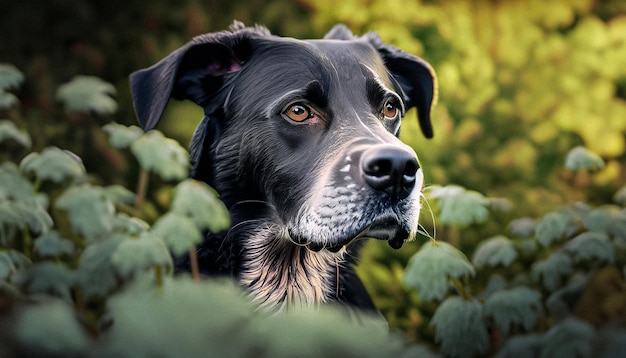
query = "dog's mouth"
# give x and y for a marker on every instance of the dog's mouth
(387, 227)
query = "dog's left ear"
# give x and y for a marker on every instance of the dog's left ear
(195, 71)
(415, 76)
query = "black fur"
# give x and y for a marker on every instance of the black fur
(299, 194)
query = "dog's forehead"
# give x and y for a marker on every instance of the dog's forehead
(352, 55)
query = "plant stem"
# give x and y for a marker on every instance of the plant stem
(142, 186)
(193, 258)
(460, 288)
(159, 275)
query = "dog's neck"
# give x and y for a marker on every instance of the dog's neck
(279, 273)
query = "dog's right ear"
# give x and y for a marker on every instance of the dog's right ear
(195, 71)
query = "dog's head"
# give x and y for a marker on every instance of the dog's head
(307, 127)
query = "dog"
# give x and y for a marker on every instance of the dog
(300, 140)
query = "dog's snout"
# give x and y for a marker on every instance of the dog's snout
(391, 169)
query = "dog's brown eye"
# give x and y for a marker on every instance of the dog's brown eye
(390, 110)
(298, 112)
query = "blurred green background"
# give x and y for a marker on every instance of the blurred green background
(520, 84)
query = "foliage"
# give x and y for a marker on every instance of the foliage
(523, 84)
(82, 277)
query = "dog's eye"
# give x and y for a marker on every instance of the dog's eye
(298, 112)
(390, 110)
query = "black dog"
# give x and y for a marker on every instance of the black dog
(300, 140)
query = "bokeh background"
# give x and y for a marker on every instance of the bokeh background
(520, 84)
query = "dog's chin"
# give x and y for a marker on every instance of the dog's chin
(387, 228)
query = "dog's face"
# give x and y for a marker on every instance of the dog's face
(309, 128)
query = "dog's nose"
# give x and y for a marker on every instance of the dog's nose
(389, 168)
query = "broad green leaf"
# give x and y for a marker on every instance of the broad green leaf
(129, 225)
(96, 275)
(516, 306)
(51, 329)
(599, 219)
(460, 207)
(121, 136)
(8, 100)
(117, 194)
(551, 270)
(200, 202)
(90, 210)
(11, 221)
(133, 256)
(620, 196)
(523, 227)
(582, 158)
(161, 155)
(6, 265)
(10, 77)
(52, 245)
(521, 347)
(87, 94)
(460, 328)
(591, 246)
(553, 228)
(179, 232)
(14, 185)
(53, 164)
(9, 131)
(47, 277)
(568, 338)
(180, 315)
(494, 251)
(36, 218)
(430, 268)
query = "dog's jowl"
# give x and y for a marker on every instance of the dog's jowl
(300, 139)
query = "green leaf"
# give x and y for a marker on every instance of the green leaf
(53, 164)
(498, 250)
(523, 227)
(582, 158)
(96, 275)
(553, 228)
(516, 306)
(591, 246)
(521, 347)
(9, 131)
(430, 268)
(460, 328)
(610, 220)
(87, 94)
(90, 210)
(10, 77)
(133, 256)
(129, 225)
(200, 202)
(180, 315)
(620, 196)
(47, 277)
(460, 207)
(6, 265)
(551, 270)
(52, 245)
(163, 156)
(51, 329)
(568, 338)
(14, 185)
(121, 136)
(117, 194)
(34, 217)
(8, 100)
(179, 232)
